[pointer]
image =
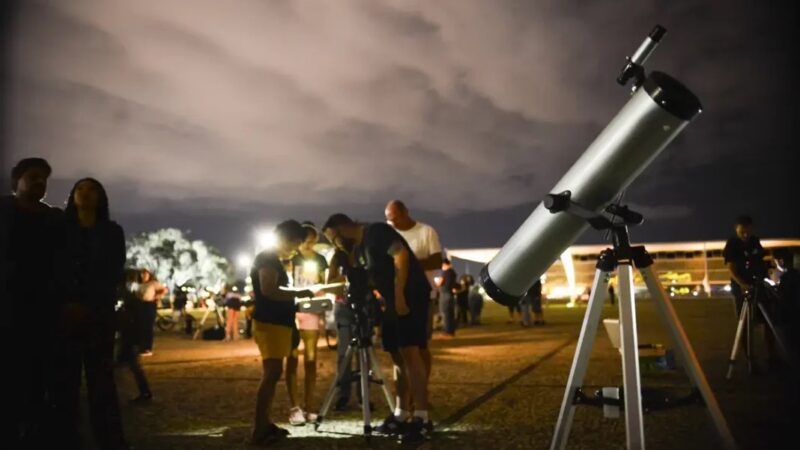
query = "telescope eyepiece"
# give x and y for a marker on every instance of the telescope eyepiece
(657, 33)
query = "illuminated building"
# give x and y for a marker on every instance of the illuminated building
(686, 269)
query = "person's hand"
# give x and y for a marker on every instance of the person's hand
(320, 294)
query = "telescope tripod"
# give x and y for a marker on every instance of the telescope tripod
(753, 304)
(369, 371)
(215, 308)
(622, 259)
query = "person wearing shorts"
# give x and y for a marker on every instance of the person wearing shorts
(396, 274)
(273, 318)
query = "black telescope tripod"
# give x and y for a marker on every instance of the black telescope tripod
(622, 258)
(369, 370)
(754, 301)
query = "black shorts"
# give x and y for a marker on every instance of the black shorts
(406, 331)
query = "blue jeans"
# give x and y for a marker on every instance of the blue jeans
(475, 307)
(447, 309)
(525, 308)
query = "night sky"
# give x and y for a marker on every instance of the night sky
(219, 117)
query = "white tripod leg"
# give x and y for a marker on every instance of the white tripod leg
(580, 361)
(364, 359)
(634, 421)
(687, 355)
(738, 339)
(336, 384)
(202, 322)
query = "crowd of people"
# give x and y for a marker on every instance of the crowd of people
(71, 263)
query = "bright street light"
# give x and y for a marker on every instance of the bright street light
(243, 260)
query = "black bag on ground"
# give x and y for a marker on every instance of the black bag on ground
(214, 334)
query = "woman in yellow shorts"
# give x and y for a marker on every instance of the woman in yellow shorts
(273, 319)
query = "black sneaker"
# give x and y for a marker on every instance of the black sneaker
(142, 399)
(282, 432)
(414, 432)
(271, 435)
(390, 426)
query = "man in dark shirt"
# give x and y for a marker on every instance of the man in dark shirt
(31, 235)
(447, 284)
(397, 275)
(744, 257)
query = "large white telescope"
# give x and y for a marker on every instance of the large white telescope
(658, 110)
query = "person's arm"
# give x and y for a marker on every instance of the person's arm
(268, 279)
(434, 260)
(732, 269)
(400, 256)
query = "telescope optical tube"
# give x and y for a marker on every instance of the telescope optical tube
(649, 121)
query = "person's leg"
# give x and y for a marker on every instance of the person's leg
(414, 374)
(131, 357)
(444, 311)
(228, 324)
(426, 355)
(272, 368)
(525, 309)
(102, 390)
(451, 315)
(310, 339)
(291, 379)
(235, 321)
(67, 387)
(148, 322)
(401, 386)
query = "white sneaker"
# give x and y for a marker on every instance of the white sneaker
(296, 416)
(311, 417)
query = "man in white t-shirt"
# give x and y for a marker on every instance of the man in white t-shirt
(424, 242)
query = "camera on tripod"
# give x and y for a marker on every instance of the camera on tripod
(360, 300)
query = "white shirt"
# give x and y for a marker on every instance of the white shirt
(424, 242)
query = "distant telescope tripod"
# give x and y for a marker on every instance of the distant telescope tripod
(752, 304)
(369, 371)
(622, 258)
(211, 307)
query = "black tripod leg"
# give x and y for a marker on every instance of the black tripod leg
(334, 388)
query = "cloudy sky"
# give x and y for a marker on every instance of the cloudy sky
(220, 116)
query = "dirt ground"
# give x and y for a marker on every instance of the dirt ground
(497, 385)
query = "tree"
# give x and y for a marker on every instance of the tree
(175, 259)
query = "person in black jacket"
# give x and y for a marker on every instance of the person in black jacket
(93, 266)
(30, 236)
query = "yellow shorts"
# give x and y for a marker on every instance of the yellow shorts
(274, 341)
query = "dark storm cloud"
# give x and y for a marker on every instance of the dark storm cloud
(464, 106)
